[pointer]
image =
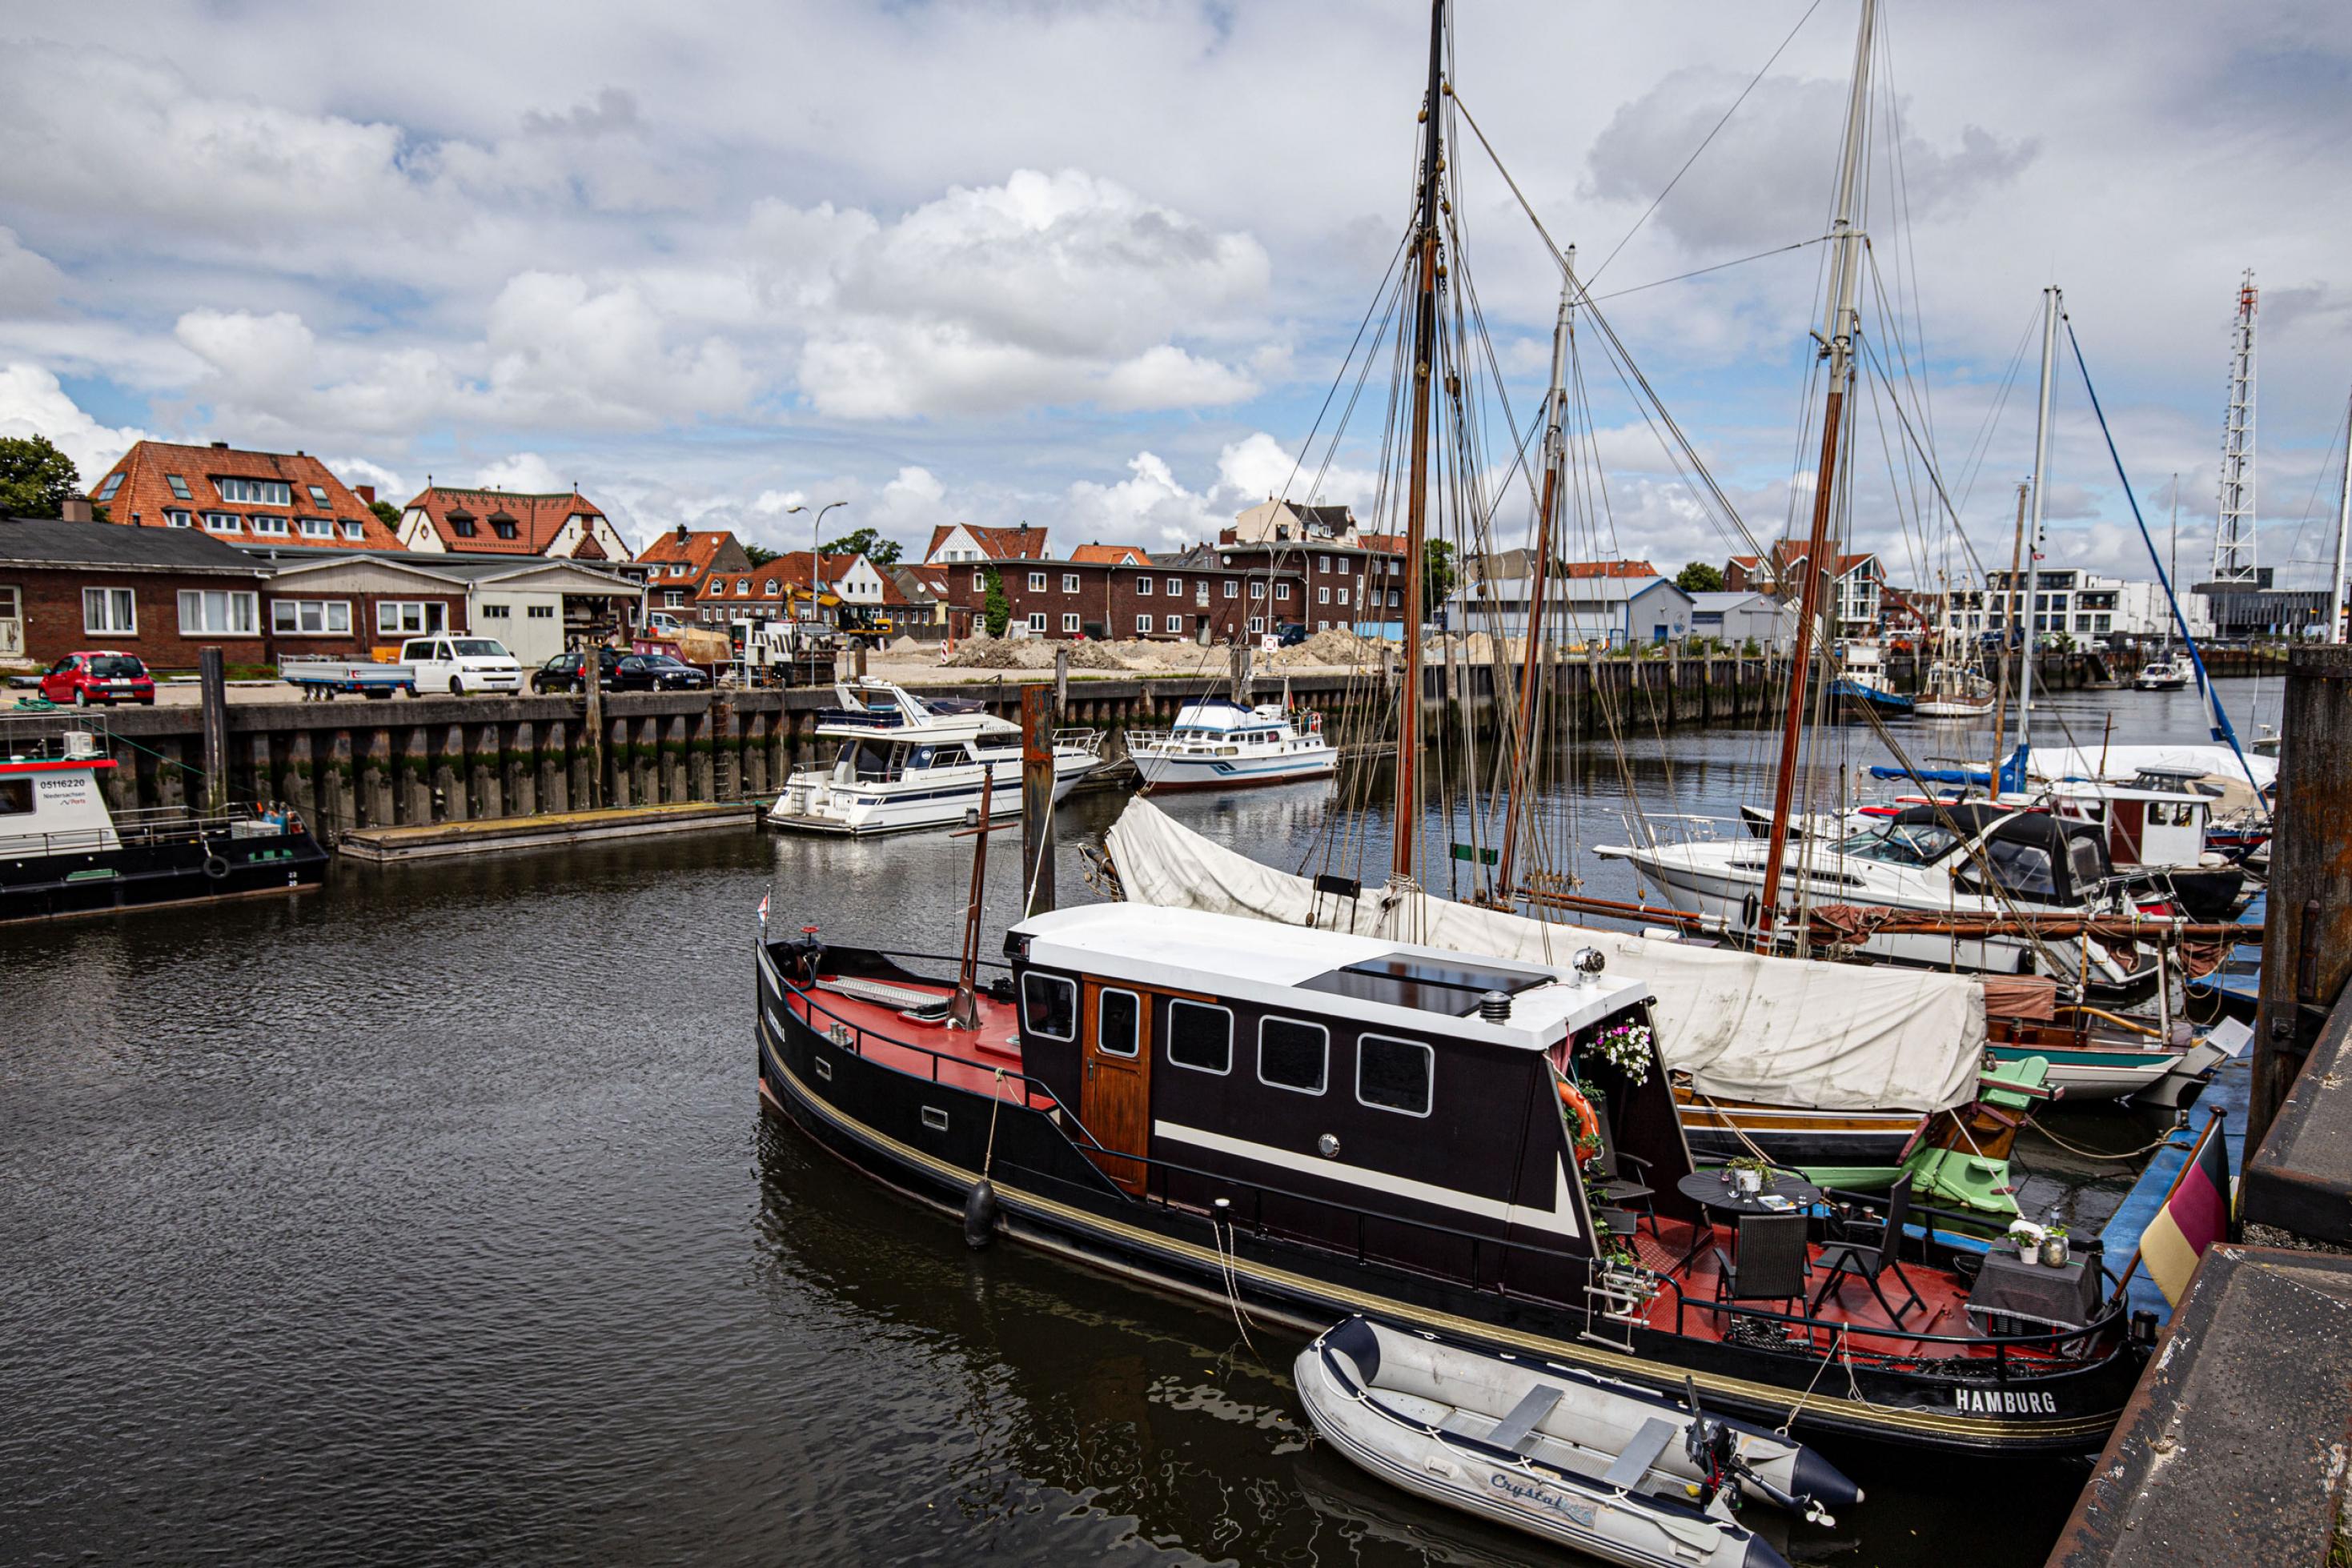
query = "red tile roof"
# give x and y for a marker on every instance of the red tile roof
(686, 546)
(1579, 568)
(1108, 555)
(537, 519)
(1021, 543)
(143, 495)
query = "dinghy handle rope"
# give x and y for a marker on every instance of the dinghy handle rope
(1798, 1408)
(1233, 1292)
(2094, 1153)
(988, 1160)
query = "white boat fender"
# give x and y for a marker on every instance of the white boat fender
(979, 1215)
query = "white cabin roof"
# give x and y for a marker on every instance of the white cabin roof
(1270, 964)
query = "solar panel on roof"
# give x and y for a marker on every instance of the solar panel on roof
(1424, 984)
(1509, 978)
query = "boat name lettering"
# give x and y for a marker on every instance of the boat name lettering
(2004, 1402)
(1535, 1496)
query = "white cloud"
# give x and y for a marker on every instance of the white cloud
(527, 472)
(389, 485)
(33, 403)
(29, 283)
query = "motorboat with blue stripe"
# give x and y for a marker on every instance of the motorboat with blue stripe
(903, 762)
(1294, 1124)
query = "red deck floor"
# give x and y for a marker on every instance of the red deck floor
(966, 1059)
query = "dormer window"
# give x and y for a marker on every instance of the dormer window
(743, 585)
(318, 528)
(772, 586)
(254, 492)
(179, 489)
(461, 523)
(268, 526)
(356, 532)
(177, 518)
(502, 524)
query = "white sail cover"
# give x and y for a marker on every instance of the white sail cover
(1787, 1031)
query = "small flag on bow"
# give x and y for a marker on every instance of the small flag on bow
(763, 909)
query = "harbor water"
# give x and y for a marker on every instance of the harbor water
(433, 1217)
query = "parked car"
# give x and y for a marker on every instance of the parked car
(620, 672)
(1292, 636)
(462, 664)
(99, 675)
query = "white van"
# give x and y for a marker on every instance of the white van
(461, 664)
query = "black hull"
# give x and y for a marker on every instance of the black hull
(168, 870)
(2208, 894)
(1050, 1196)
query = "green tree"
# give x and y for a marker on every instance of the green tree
(35, 478)
(1699, 577)
(868, 543)
(1436, 575)
(386, 513)
(995, 610)
(760, 557)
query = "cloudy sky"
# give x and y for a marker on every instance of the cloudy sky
(1095, 266)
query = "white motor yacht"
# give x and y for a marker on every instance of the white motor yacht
(2172, 673)
(1969, 858)
(903, 763)
(1219, 743)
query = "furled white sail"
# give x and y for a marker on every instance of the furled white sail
(1816, 1036)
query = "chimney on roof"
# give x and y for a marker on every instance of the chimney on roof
(366, 493)
(682, 533)
(220, 447)
(77, 509)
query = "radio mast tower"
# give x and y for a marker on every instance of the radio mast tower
(2233, 540)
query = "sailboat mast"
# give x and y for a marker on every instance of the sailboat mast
(2008, 620)
(2174, 546)
(2343, 527)
(2034, 533)
(1838, 327)
(1407, 825)
(1538, 578)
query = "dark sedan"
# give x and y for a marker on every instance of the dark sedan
(621, 672)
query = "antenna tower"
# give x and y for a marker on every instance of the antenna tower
(2233, 540)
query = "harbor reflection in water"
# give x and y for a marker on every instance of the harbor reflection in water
(432, 1217)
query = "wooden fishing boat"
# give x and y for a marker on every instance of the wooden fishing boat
(1297, 1123)
(1587, 1462)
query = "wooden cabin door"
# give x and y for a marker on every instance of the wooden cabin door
(2124, 827)
(1115, 1097)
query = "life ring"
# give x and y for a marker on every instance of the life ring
(1315, 723)
(216, 868)
(1749, 909)
(1589, 1125)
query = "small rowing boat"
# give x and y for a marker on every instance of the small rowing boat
(1623, 1473)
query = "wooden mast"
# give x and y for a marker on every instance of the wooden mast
(1837, 334)
(1538, 576)
(1407, 826)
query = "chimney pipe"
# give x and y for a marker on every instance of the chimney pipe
(77, 509)
(366, 493)
(220, 447)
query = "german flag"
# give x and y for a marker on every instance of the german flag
(2195, 1215)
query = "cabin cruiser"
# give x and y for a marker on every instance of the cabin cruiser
(63, 850)
(904, 762)
(2155, 831)
(1296, 1124)
(1219, 743)
(1971, 861)
(2172, 673)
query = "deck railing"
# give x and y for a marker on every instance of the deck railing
(1488, 1255)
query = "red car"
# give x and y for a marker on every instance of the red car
(99, 675)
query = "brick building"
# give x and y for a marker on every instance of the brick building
(162, 594)
(441, 518)
(851, 590)
(269, 498)
(677, 564)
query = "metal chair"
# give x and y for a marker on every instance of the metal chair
(1620, 1190)
(1867, 1260)
(1771, 1265)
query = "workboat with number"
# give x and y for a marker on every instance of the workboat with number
(63, 850)
(1578, 1458)
(904, 762)
(1294, 1124)
(1217, 743)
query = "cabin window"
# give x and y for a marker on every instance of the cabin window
(1049, 1005)
(15, 797)
(1293, 1055)
(1199, 1037)
(1394, 1074)
(2082, 855)
(1117, 1014)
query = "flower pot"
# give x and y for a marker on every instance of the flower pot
(1748, 1184)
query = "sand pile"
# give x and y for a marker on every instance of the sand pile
(1336, 646)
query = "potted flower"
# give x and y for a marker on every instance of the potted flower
(1749, 1175)
(1625, 1047)
(2027, 1237)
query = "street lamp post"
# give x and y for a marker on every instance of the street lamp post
(816, 563)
